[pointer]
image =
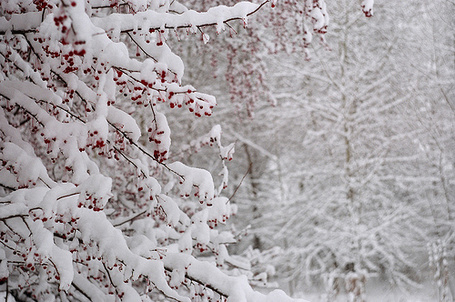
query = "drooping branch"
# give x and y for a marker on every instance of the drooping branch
(157, 21)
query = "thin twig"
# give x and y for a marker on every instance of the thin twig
(241, 181)
(131, 218)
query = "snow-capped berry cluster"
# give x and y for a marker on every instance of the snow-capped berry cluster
(160, 135)
(367, 7)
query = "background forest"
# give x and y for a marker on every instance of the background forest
(344, 148)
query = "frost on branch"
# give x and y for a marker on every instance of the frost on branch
(91, 208)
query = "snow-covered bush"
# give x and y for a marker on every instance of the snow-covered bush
(92, 205)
